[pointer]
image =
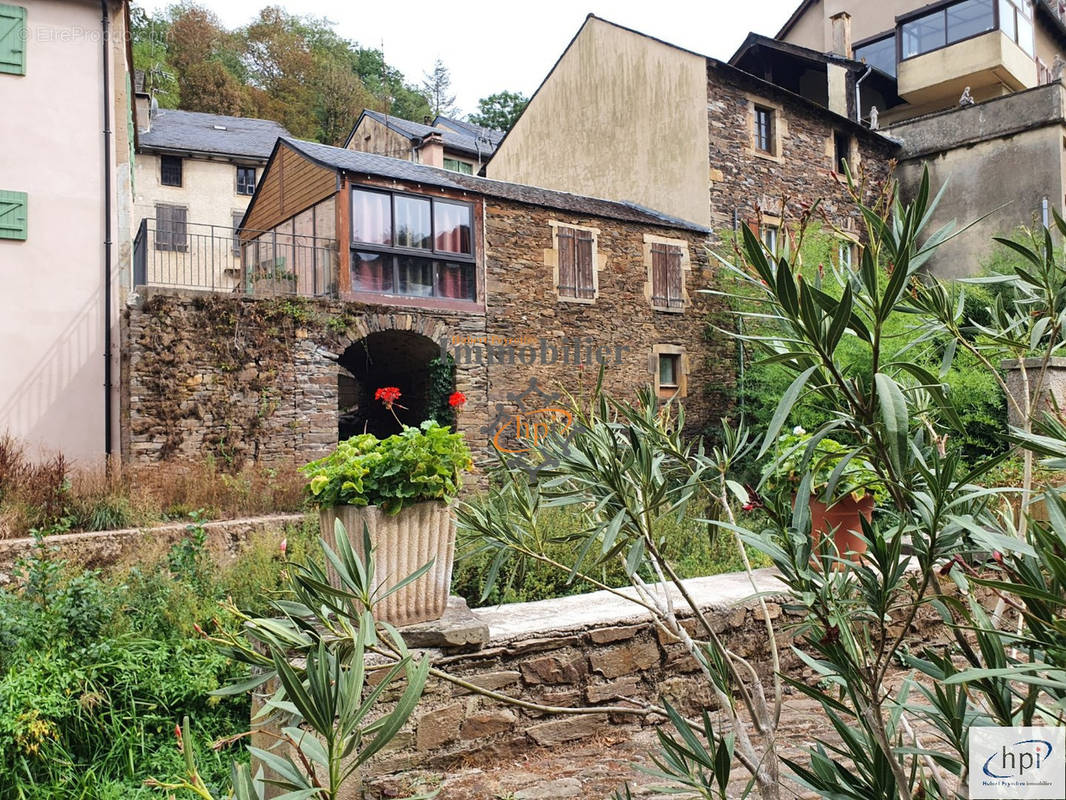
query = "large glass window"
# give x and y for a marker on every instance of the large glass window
(880, 55)
(959, 21)
(412, 245)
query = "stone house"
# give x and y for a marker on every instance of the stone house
(65, 213)
(195, 174)
(626, 116)
(453, 144)
(433, 281)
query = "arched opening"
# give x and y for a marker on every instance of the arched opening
(387, 358)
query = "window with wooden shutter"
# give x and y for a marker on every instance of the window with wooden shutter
(170, 229)
(576, 259)
(13, 40)
(666, 276)
(13, 215)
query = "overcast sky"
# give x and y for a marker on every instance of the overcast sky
(489, 47)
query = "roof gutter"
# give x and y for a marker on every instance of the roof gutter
(105, 26)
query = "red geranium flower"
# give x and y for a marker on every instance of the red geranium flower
(388, 395)
(457, 399)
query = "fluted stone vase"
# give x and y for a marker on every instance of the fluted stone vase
(402, 543)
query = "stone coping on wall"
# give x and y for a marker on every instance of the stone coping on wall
(95, 549)
(715, 593)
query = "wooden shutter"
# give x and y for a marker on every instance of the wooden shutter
(13, 215)
(586, 285)
(13, 40)
(567, 262)
(178, 231)
(666, 276)
(163, 239)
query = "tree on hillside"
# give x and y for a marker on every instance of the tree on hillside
(436, 88)
(149, 34)
(499, 110)
(280, 62)
(210, 87)
(341, 96)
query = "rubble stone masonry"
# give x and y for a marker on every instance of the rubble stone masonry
(240, 378)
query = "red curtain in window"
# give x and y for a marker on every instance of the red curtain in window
(452, 224)
(371, 217)
(371, 272)
(455, 281)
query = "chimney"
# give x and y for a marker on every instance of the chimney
(431, 151)
(841, 34)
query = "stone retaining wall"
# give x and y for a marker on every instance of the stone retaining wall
(93, 550)
(589, 650)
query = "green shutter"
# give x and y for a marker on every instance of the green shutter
(13, 40)
(12, 215)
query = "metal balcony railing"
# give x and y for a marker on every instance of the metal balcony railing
(268, 263)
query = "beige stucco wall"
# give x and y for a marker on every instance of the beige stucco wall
(990, 64)
(868, 19)
(1005, 189)
(208, 191)
(636, 125)
(52, 306)
(373, 137)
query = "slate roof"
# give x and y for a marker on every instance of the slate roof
(492, 134)
(399, 169)
(195, 132)
(467, 143)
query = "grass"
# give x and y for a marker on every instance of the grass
(97, 668)
(54, 496)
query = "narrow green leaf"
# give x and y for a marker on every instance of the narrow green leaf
(894, 417)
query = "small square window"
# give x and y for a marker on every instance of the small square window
(245, 180)
(669, 370)
(764, 130)
(170, 170)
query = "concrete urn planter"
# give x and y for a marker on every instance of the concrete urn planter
(402, 543)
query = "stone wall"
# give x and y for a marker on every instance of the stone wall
(240, 378)
(244, 379)
(595, 649)
(522, 302)
(799, 172)
(101, 549)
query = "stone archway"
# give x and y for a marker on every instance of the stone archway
(399, 358)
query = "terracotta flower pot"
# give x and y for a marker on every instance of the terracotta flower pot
(843, 520)
(402, 543)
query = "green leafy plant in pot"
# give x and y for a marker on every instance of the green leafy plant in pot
(844, 488)
(400, 490)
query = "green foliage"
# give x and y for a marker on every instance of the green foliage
(96, 668)
(499, 110)
(797, 454)
(415, 465)
(441, 380)
(696, 548)
(976, 397)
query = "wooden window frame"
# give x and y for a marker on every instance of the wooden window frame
(432, 255)
(758, 134)
(555, 258)
(669, 391)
